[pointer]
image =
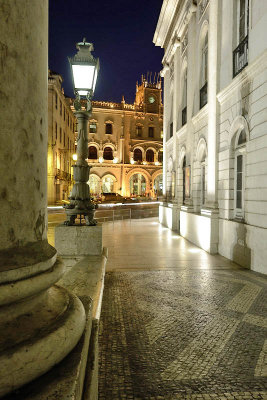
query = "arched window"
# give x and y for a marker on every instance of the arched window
(160, 156)
(158, 185)
(239, 173)
(184, 172)
(108, 129)
(137, 156)
(108, 153)
(94, 184)
(150, 155)
(204, 72)
(92, 153)
(138, 185)
(108, 184)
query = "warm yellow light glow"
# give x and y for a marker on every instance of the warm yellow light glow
(156, 163)
(101, 159)
(115, 160)
(144, 162)
(132, 161)
(74, 157)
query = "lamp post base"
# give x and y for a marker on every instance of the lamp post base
(87, 214)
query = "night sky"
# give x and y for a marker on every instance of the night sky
(121, 31)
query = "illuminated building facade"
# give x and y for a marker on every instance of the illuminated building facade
(125, 144)
(215, 119)
(61, 141)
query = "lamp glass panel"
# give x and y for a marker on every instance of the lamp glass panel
(83, 77)
(95, 78)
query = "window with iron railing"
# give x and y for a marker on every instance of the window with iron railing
(240, 54)
(240, 57)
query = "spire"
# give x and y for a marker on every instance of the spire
(123, 99)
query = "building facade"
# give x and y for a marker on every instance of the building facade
(125, 147)
(61, 141)
(215, 125)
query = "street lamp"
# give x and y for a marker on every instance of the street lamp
(84, 68)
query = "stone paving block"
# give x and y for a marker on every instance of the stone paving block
(181, 334)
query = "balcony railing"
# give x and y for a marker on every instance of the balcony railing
(240, 57)
(184, 116)
(203, 95)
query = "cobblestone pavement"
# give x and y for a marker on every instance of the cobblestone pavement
(184, 333)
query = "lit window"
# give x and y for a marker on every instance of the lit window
(92, 127)
(160, 156)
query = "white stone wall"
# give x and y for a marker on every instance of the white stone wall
(210, 133)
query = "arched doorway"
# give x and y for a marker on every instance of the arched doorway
(158, 185)
(108, 184)
(138, 185)
(94, 184)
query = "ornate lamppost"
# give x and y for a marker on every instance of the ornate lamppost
(84, 68)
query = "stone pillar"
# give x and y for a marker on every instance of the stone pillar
(211, 201)
(39, 323)
(210, 209)
(165, 73)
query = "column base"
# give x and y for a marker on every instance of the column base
(169, 215)
(39, 323)
(202, 230)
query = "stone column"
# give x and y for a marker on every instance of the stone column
(210, 209)
(165, 73)
(211, 201)
(39, 323)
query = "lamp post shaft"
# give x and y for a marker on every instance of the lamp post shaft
(80, 200)
(82, 139)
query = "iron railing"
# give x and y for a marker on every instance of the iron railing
(240, 57)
